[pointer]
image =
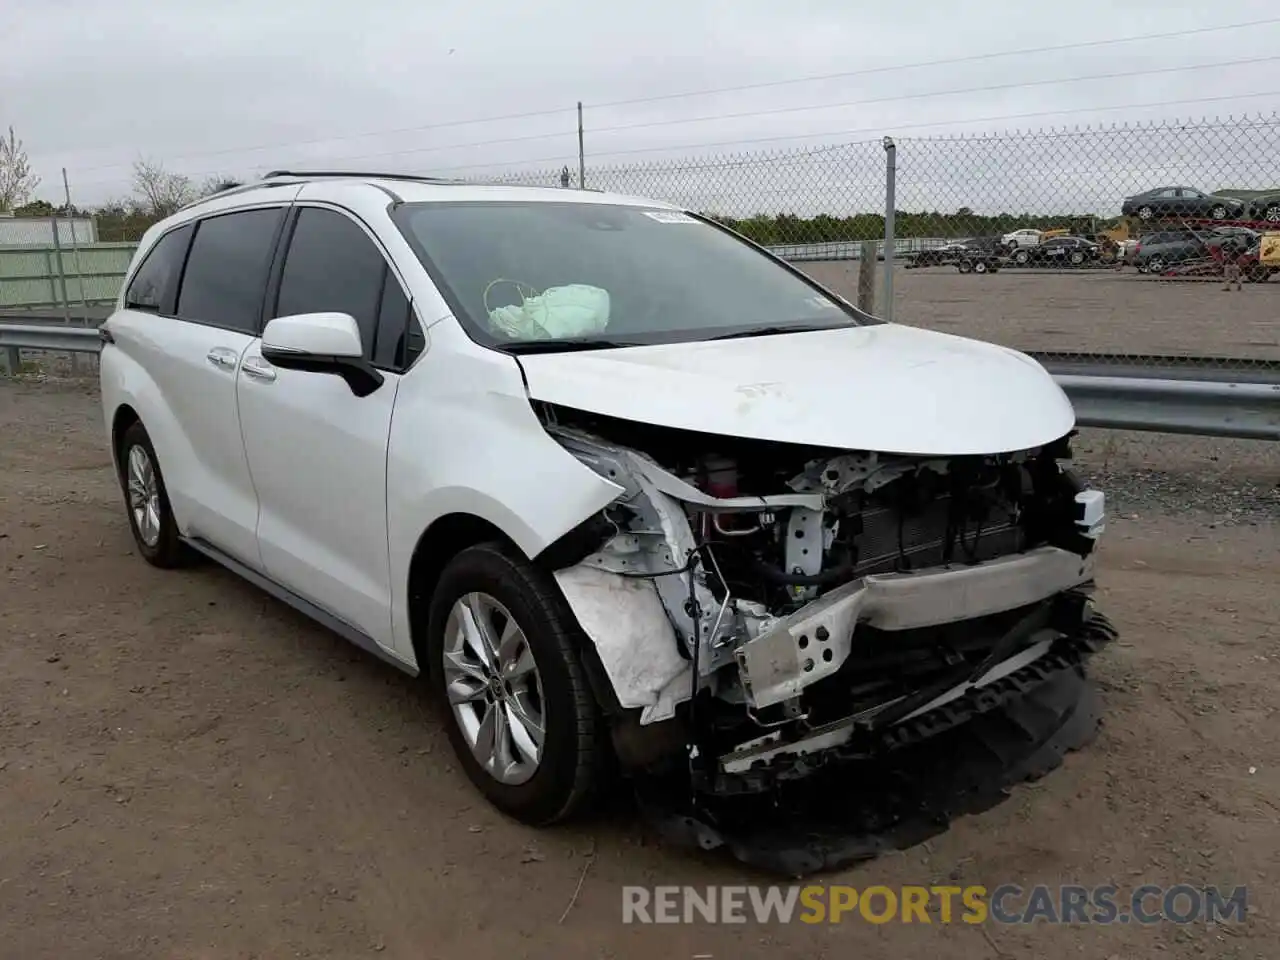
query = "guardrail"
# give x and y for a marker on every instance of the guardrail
(1206, 396)
(851, 249)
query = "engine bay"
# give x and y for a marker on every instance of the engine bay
(768, 559)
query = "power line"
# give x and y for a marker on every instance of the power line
(876, 131)
(796, 109)
(971, 58)
(885, 129)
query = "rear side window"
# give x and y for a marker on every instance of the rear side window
(227, 268)
(333, 266)
(153, 286)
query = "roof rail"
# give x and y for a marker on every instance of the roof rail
(229, 192)
(373, 175)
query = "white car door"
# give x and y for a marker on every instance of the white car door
(317, 452)
(191, 350)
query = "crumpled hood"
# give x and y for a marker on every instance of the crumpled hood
(887, 387)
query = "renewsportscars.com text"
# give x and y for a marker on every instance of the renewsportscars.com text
(1005, 904)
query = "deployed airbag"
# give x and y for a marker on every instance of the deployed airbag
(573, 310)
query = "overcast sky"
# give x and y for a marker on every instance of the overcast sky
(236, 87)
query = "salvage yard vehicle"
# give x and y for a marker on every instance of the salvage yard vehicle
(1060, 251)
(1182, 202)
(618, 482)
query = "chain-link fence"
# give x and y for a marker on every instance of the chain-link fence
(1117, 238)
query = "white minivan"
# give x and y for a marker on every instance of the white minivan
(621, 485)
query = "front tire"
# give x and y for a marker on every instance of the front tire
(147, 502)
(1146, 213)
(502, 648)
(1218, 213)
(1022, 256)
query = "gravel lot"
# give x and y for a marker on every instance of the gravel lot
(1100, 311)
(190, 769)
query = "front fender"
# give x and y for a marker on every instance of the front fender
(465, 439)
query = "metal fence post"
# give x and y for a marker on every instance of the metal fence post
(867, 277)
(582, 156)
(890, 204)
(62, 273)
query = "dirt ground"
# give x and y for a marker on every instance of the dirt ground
(1098, 311)
(189, 769)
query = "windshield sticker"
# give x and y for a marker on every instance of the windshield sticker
(669, 216)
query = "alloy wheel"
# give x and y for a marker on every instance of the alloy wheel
(144, 495)
(494, 688)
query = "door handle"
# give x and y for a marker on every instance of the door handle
(223, 358)
(259, 369)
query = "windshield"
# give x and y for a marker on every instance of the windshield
(555, 275)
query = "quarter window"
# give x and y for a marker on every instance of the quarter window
(153, 285)
(226, 274)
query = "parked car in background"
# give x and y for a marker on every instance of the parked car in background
(1239, 238)
(955, 251)
(1182, 202)
(1023, 238)
(1168, 248)
(1067, 251)
(948, 253)
(1265, 208)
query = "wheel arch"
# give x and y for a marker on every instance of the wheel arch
(445, 538)
(123, 418)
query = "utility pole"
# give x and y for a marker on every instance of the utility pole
(582, 162)
(75, 244)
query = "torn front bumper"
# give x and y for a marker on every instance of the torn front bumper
(814, 642)
(763, 763)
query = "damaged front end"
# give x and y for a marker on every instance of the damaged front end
(762, 609)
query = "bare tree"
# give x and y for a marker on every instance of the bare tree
(17, 181)
(158, 191)
(214, 185)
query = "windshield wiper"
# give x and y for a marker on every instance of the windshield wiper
(553, 345)
(777, 329)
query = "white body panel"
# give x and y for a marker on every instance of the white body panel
(464, 440)
(162, 369)
(330, 495)
(889, 388)
(317, 455)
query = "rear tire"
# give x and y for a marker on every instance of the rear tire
(542, 775)
(1022, 257)
(980, 267)
(147, 502)
(1146, 213)
(965, 266)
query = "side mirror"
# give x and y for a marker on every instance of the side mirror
(321, 343)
